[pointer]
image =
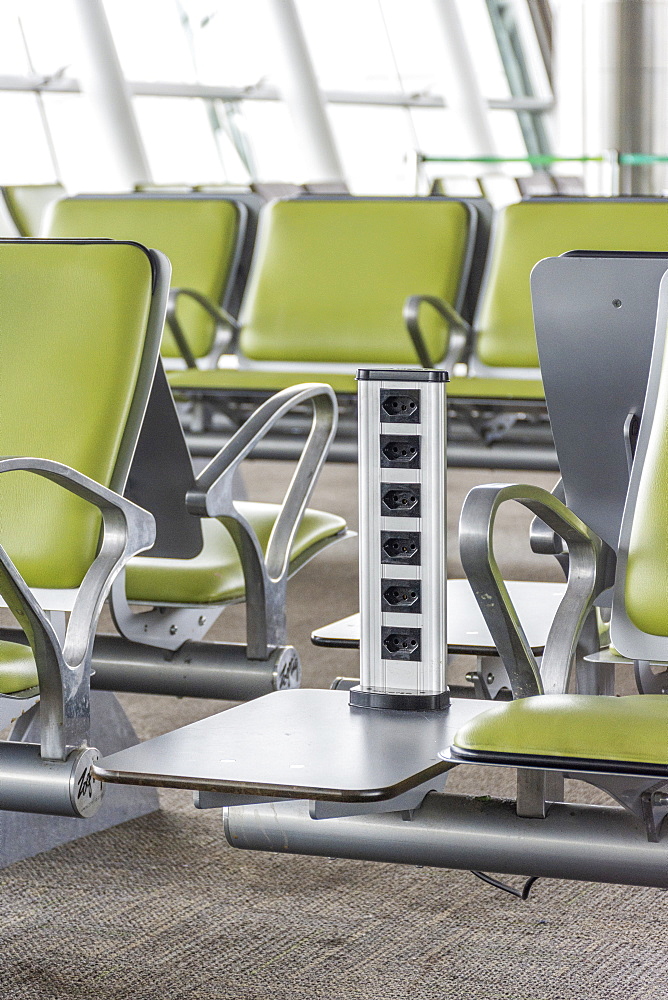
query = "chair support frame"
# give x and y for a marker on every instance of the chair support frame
(590, 565)
(212, 496)
(64, 668)
(220, 315)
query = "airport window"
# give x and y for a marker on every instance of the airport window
(179, 141)
(25, 153)
(204, 85)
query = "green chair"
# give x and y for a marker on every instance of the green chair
(82, 322)
(28, 205)
(194, 572)
(619, 744)
(595, 313)
(229, 551)
(80, 331)
(338, 282)
(205, 238)
(501, 397)
(211, 551)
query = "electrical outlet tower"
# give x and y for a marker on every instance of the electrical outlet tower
(402, 535)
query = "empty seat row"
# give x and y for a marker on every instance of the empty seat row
(327, 284)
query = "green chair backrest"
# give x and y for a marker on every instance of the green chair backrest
(79, 336)
(528, 231)
(27, 204)
(639, 626)
(199, 235)
(330, 277)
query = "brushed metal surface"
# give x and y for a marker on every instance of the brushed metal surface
(297, 744)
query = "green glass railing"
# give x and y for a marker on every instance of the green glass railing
(640, 159)
(544, 160)
(613, 159)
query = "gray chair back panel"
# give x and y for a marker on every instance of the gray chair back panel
(161, 475)
(595, 316)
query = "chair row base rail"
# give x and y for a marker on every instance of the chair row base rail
(196, 670)
(574, 841)
(219, 670)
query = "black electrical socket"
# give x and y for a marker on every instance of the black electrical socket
(399, 452)
(401, 595)
(400, 547)
(400, 643)
(400, 407)
(400, 499)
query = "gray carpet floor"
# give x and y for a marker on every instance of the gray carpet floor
(161, 907)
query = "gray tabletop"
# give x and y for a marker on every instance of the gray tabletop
(298, 744)
(535, 602)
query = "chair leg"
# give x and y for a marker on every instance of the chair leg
(23, 835)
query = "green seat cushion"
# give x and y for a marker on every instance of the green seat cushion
(215, 575)
(198, 235)
(250, 379)
(330, 278)
(530, 230)
(477, 387)
(593, 727)
(17, 668)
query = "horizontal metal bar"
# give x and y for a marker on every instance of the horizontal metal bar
(197, 670)
(539, 160)
(589, 843)
(284, 447)
(39, 83)
(502, 456)
(461, 455)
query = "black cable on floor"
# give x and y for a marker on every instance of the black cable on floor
(522, 893)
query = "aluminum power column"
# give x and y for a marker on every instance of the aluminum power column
(402, 462)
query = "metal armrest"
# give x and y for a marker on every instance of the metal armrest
(590, 561)
(458, 344)
(221, 316)
(64, 671)
(212, 496)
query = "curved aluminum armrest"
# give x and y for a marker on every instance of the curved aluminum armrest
(212, 495)
(266, 574)
(221, 316)
(457, 345)
(589, 566)
(63, 671)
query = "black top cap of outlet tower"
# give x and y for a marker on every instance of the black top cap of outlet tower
(402, 375)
